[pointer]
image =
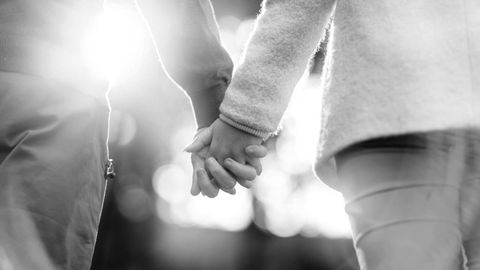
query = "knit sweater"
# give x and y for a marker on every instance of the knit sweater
(394, 67)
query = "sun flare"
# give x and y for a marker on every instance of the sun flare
(115, 43)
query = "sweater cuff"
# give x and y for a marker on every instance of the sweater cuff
(264, 135)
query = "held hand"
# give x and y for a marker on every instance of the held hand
(201, 179)
(221, 178)
(228, 147)
(230, 142)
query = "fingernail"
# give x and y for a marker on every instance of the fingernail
(231, 191)
(248, 184)
(228, 161)
(188, 148)
(194, 190)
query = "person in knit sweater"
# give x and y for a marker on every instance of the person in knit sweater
(400, 132)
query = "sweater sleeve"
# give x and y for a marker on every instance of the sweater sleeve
(187, 41)
(285, 37)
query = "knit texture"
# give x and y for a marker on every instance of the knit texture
(285, 37)
(394, 67)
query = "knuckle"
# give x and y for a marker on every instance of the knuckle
(216, 150)
(213, 169)
(210, 162)
(239, 157)
(227, 164)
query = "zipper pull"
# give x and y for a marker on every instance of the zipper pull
(109, 170)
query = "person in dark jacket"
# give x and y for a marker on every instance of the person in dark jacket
(54, 119)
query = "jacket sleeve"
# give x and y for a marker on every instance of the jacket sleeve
(187, 40)
(284, 39)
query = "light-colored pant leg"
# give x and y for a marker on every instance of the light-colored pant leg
(403, 203)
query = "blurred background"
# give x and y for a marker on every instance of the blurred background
(288, 220)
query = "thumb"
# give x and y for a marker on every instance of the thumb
(202, 140)
(256, 151)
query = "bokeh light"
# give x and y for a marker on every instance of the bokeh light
(171, 183)
(175, 205)
(134, 203)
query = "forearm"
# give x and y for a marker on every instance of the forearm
(285, 37)
(188, 44)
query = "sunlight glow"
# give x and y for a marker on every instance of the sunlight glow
(297, 145)
(114, 45)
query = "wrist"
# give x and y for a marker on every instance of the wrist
(205, 108)
(264, 135)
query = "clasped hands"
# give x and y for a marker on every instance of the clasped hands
(221, 156)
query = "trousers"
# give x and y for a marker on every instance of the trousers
(414, 200)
